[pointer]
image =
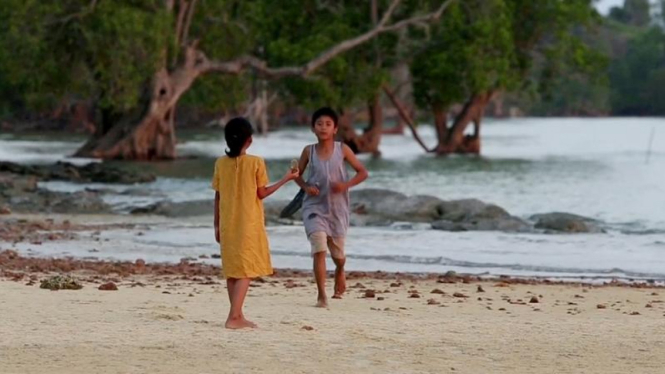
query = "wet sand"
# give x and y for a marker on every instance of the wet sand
(167, 324)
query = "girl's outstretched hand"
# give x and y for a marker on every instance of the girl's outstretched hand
(292, 174)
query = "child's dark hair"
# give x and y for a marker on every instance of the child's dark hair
(236, 133)
(324, 112)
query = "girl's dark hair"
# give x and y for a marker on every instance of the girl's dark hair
(324, 112)
(236, 133)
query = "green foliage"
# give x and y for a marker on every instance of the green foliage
(218, 93)
(560, 64)
(633, 12)
(506, 45)
(554, 51)
(619, 14)
(292, 32)
(638, 76)
(222, 28)
(53, 50)
(22, 55)
(637, 12)
(470, 51)
(122, 47)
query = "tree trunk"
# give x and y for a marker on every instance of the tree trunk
(440, 124)
(472, 112)
(498, 106)
(257, 113)
(346, 132)
(147, 133)
(369, 140)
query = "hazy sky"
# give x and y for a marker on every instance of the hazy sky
(605, 5)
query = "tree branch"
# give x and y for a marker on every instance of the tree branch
(405, 116)
(238, 65)
(431, 17)
(182, 11)
(389, 12)
(188, 22)
(87, 10)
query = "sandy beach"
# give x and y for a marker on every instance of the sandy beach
(174, 324)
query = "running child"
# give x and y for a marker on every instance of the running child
(326, 204)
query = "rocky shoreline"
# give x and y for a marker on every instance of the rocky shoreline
(385, 208)
(20, 192)
(19, 268)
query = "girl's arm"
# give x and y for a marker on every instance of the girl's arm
(217, 216)
(361, 172)
(302, 165)
(265, 191)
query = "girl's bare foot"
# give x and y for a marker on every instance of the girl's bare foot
(322, 302)
(239, 323)
(254, 325)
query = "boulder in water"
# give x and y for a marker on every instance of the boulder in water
(508, 224)
(82, 202)
(394, 205)
(475, 215)
(384, 206)
(273, 209)
(363, 220)
(470, 209)
(566, 222)
(93, 172)
(44, 201)
(182, 209)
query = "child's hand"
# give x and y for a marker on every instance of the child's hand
(339, 187)
(312, 190)
(292, 174)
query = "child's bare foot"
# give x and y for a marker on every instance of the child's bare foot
(340, 283)
(322, 302)
(239, 323)
(254, 325)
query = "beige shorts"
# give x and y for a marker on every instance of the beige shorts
(321, 242)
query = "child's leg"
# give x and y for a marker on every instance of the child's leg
(237, 292)
(340, 278)
(319, 249)
(230, 288)
(320, 276)
(339, 258)
(230, 285)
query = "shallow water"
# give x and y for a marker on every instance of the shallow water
(599, 168)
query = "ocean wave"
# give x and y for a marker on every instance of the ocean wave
(445, 261)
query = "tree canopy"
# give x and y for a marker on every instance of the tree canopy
(552, 57)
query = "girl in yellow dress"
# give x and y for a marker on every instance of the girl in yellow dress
(240, 184)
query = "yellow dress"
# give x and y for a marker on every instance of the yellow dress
(243, 239)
